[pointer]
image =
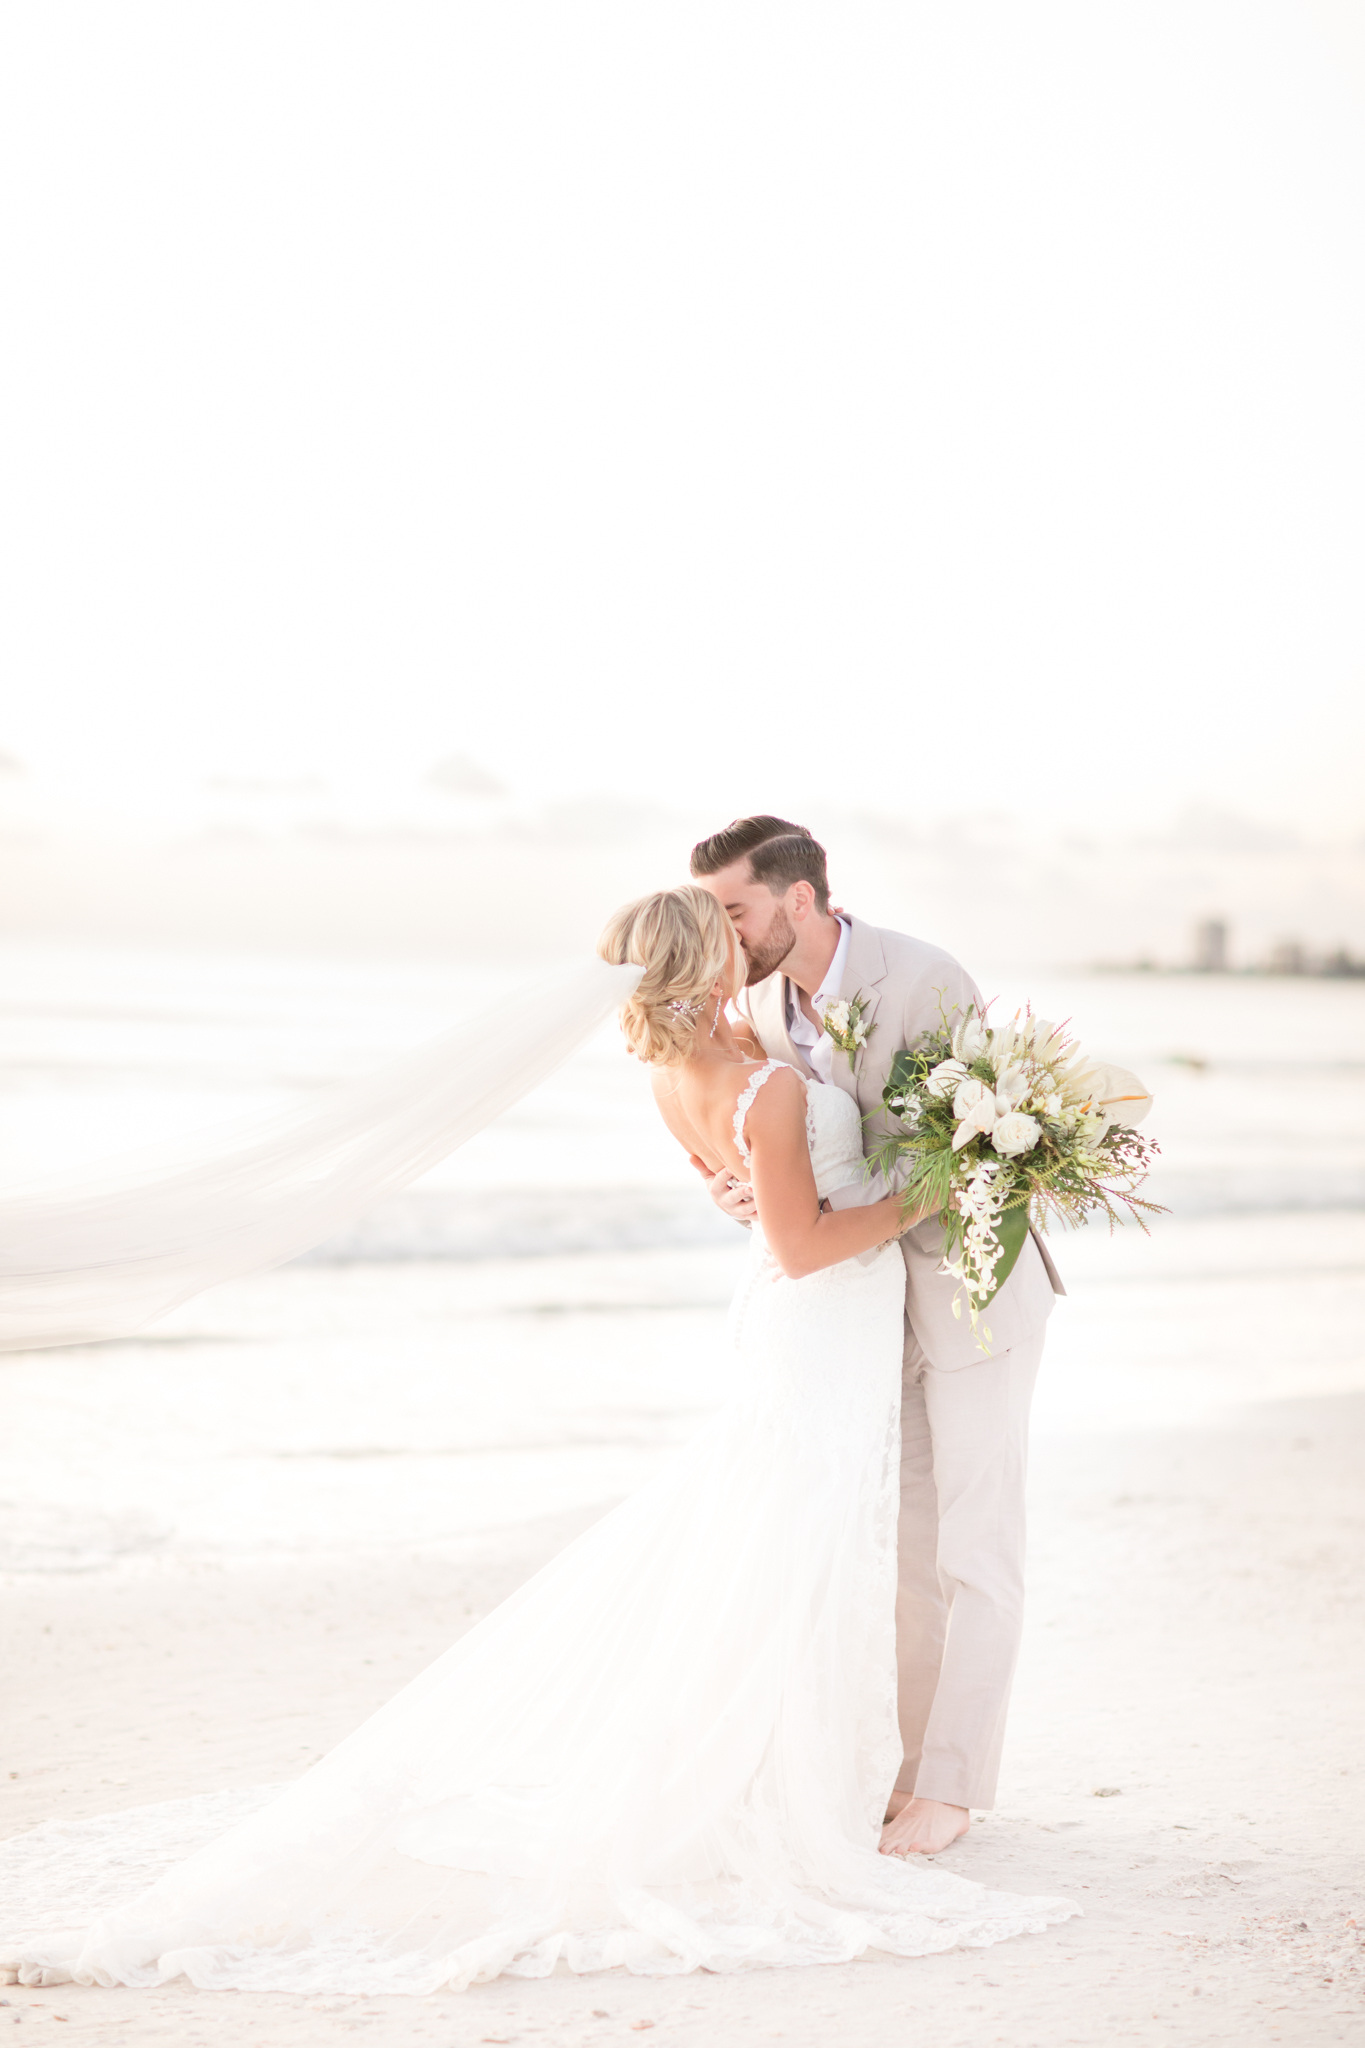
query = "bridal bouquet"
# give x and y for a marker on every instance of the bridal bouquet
(998, 1126)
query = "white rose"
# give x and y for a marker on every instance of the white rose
(944, 1078)
(1016, 1133)
(975, 1109)
(969, 1095)
(837, 1015)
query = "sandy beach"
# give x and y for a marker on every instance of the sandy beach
(222, 1544)
(1184, 1754)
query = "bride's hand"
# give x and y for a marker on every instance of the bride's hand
(734, 1198)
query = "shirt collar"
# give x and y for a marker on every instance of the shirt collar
(829, 988)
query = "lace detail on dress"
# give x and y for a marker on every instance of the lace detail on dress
(746, 1103)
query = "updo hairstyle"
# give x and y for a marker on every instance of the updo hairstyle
(681, 938)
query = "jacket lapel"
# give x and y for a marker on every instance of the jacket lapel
(864, 971)
(766, 1005)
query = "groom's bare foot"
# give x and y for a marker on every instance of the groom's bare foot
(921, 1827)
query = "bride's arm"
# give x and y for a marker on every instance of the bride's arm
(800, 1237)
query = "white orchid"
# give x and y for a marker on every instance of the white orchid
(977, 1199)
(943, 1079)
(974, 1107)
(976, 1196)
(1012, 1085)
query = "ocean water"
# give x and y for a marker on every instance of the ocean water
(528, 1330)
(1259, 1086)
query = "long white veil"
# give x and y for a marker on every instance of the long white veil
(100, 1252)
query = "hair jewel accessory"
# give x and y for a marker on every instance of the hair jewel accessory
(689, 1010)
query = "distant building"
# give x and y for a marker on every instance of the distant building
(1288, 957)
(1211, 946)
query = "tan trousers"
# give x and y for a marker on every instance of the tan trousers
(960, 1600)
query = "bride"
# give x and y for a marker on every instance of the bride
(671, 1749)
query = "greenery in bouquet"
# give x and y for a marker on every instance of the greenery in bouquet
(1000, 1126)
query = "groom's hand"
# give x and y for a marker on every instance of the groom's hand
(735, 1198)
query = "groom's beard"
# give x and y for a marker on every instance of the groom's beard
(766, 957)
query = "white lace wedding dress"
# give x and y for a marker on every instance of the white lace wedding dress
(670, 1750)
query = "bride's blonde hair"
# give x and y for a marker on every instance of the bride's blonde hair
(681, 937)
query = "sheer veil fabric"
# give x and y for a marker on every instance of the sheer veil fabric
(670, 1750)
(101, 1252)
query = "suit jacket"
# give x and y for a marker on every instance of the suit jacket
(901, 982)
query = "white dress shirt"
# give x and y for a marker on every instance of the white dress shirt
(815, 1042)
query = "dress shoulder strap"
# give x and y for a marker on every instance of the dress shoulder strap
(746, 1101)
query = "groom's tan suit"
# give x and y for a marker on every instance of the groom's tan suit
(964, 1416)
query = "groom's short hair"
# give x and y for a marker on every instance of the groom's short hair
(779, 852)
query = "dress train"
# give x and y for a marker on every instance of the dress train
(670, 1750)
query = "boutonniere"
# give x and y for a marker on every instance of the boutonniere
(844, 1023)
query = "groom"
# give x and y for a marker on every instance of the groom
(964, 1415)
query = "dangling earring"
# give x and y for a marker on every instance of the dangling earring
(720, 1005)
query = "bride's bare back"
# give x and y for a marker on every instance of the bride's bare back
(698, 1104)
(698, 1101)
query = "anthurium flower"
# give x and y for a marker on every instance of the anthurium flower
(1117, 1094)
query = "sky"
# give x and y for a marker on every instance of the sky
(909, 409)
